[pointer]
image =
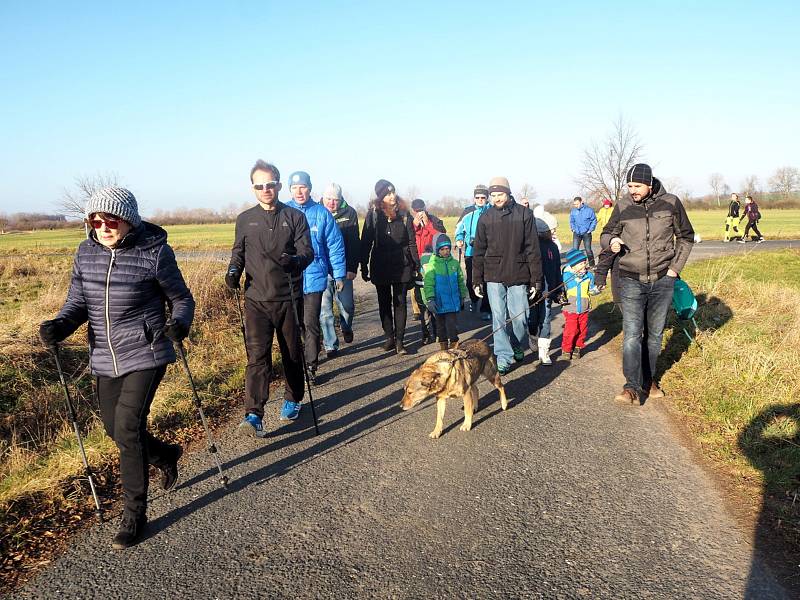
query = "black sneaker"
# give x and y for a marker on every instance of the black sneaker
(169, 472)
(389, 344)
(131, 531)
(332, 353)
(400, 348)
(312, 373)
(348, 336)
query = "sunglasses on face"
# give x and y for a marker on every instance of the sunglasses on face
(480, 197)
(270, 185)
(97, 223)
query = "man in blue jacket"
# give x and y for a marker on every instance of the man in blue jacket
(329, 259)
(582, 222)
(465, 238)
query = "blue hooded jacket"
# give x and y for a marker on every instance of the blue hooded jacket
(465, 230)
(328, 245)
(582, 220)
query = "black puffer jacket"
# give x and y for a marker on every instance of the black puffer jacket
(506, 247)
(389, 247)
(123, 293)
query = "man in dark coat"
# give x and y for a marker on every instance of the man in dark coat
(507, 259)
(653, 228)
(272, 248)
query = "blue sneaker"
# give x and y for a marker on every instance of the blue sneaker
(290, 410)
(252, 426)
(519, 354)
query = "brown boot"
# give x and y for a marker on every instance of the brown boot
(655, 391)
(444, 345)
(627, 396)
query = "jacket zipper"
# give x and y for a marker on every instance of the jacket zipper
(108, 315)
(647, 236)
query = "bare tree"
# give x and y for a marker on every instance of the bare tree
(786, 181)
(605, 164)
(717, 183)
(3, 223)
(412, 193)
(750, 185)
(73, 200)
(676, 186)
(527, 191)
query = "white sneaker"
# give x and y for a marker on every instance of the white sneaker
(544, 351)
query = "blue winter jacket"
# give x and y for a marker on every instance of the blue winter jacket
(123, 293)
(465, 230)
(582, 220)
(328, 244)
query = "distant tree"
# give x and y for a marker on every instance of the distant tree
(605, 164)
(73, 201)
(412, 193)
(750, 185)
(676, 186)
(717, 183)
(3, 223)
(527, 191)
(785, 181)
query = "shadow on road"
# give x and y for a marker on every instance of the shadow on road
(771, 442)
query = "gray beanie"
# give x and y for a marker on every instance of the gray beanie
(115, 201)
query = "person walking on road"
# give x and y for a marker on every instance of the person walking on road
(732, 220)
(272, 248)
(346, 219)
(445, 293)
(329, 260)
(426, 227)
(652, 225)
(123, 276)
(604, 214)
(506, 258)
(753, 216)
(540, 315)
(582, 222)
(389, 255)
(465, 240)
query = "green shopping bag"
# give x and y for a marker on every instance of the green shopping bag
(685, 304)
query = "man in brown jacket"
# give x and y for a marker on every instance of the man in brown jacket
(653, 227)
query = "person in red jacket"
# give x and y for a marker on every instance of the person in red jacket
(426, 227)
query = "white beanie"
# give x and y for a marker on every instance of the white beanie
(115, 201)
(333, 191)
(545, 222)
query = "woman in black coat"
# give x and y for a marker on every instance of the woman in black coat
(390, 260)
(122, 277)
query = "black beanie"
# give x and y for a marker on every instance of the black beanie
(382, 188)
(640, 173)
(418, 204)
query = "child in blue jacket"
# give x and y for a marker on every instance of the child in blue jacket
(444, 291)
(579, 285)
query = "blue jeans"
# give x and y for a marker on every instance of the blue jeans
(643, 303)
(508, 302)
(586, 238)
(347, 308)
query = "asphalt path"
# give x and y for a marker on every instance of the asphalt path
(564, 495)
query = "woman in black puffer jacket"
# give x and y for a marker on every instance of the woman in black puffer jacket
(122, 277)
(390, 260)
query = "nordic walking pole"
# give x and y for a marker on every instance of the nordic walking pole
(241, 317)
(210, 444)
(74, 418)
(302, 351)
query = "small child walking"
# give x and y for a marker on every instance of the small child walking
(444, 292)
(579, 285)
(539, 318)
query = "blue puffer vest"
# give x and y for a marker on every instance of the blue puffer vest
(328, 245)
(122, 293)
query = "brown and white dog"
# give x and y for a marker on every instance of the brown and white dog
(450, 374)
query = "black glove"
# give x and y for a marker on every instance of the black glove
(289, 262)
(232, 278)
(365, 273)
(562, 298)
(176, 330)
(52, 332)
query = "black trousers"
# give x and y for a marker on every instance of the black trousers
(751, 225)
(124, 405)
(447, 327)
(392, 309)
(312, 306)
(485, 300)
(262, 322)
(425, 316)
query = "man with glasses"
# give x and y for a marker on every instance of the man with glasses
(507, 259)
(272, 248)
(328, 245)
(465, 238)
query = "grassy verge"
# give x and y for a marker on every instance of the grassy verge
(41, 495)
(776, 224)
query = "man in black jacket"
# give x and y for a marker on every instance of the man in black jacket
(346, 219)
(507, 259)
(272, 248)
(655, 231)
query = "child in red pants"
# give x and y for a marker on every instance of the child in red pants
(579, 286)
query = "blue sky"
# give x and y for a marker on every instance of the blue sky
(179, 99)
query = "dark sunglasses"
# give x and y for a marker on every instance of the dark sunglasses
(270, 185)
(480, 197)
(98, 223)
